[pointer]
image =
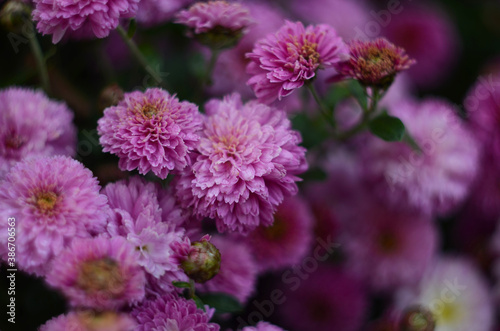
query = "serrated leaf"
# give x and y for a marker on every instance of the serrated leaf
(181, 284)
(223, 303)
(388, 128)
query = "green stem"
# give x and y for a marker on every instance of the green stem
(324, 110)
(211, 66)
(40, 61)
(192, 290)
(138, 55)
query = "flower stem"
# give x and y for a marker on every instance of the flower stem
(138, 55)
(324, 110)
(211, 66)
(40, 61)
(192, 290)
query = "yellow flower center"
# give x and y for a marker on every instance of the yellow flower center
(103, 275)
(46, 202)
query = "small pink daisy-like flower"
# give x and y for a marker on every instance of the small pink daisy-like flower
(262, 326)
(238, 273)
(247, 162)
(90, 321)
(98, 273)
(374, 63)
(172, 313)
(218, 24)
(287, 240)
(284, 61)
(81, 19)
(54, 200)
(33, 125)
(150, 131)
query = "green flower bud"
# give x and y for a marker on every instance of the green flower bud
(14, 15)
(203, 261)
(417, 318)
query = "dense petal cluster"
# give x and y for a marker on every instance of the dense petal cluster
(82, 18)
(150, 131)
(206, 16)
(33, 125)
(53, 199)
(99, 273)
(374, 63)
(284, 61)
(172, 313)
(90, 321)
(433, 180)
(247, 163)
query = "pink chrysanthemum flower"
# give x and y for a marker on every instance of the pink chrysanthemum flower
(284, 61)
(238, 273)
(457, 295)
(90, 321)
(153, 12)
(262, 326)
(33, 125)
(326, 300)
(218, 24)
(374, 63)
(434, 180)
(387, 248)
(136, 216)
(287, 240)
(247, 162)
(150, 131)
(81, 19)
(172, 313)
(54, 200)
(98, 273)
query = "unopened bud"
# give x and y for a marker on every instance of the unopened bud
(417, 318)
(14, 15)
(203, 261)
(220, 38)
(110, 96)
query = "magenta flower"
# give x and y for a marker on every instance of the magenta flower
(172, 313)
(150, 131)
(218, 24)
(287, 241)
(284, 61)
(262, 326)
(90, 320)
(33, 125)
(98, 273)
(373, 63)
(435, 180)
(54, 200)
(154, 12)
(247, 162)
(238, 273)
(81, 19)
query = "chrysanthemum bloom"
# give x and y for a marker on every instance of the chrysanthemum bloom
(284, 61)
(433, 180)
(247, 162)
(172, 313)
(374, 63)
(136, 216)
(98, 273)
(217, 24)
(54, 200)
(90, 321)
(287, 240)
(150, 131)
(153, 12)
(33, 125)
(81, 19)
(457, 295)
(386, 248)
(430, 37)
(326, 300)
(262, 326)
(238, 272)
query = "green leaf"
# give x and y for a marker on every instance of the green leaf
(388, 128)
(181, 284)
(132, 28)
(222, 302)
(199, 303)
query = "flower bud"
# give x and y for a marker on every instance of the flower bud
(202, 262)
(14, 15)
(417, 318)
(110, 96)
